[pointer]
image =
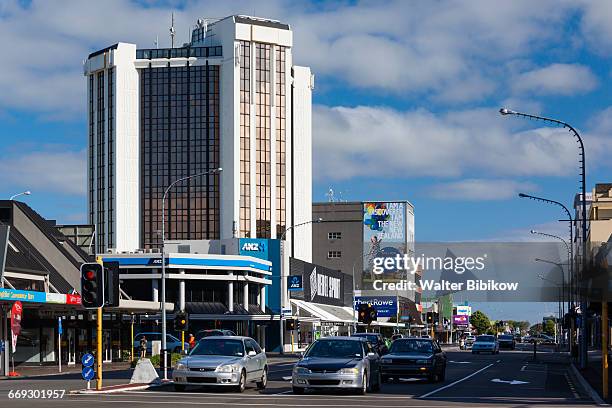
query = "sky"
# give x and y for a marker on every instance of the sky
(405, 104)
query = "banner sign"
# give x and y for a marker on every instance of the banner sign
(16, 315)
(386, 306)
(294, 282)
(464, 310)
(321, 284)
(461, 320)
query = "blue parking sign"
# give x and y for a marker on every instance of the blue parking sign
(87, 373)
(87, 360)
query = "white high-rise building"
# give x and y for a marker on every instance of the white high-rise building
(230, 98)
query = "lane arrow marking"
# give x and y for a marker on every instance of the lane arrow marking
(513, 382)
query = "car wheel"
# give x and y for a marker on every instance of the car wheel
(179, 387)
(364, 385)
(298, 390)
(376, 386)
(264, 380)
(242, 384)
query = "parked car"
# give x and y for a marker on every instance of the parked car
(230, 361)
(469, 341)
(376, 340)
(213, 332)
(518, 338)
(172, 343)
(541, 338)
(414, 357)
(485, 343)
(506, 341)
(338, 362)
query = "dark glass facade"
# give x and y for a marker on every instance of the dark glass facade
(245, 139)
(280, 103)
(179, 113)
(111, 158)
(263, 173)
(100, 167)
(91, 158)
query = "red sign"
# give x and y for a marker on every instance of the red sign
(16, 314)
(73, 299)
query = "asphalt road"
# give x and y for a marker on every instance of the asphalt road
(508, 379)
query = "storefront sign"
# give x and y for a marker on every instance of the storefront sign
(39, 297)
(386, 306)
(461, 320)
(320, 284)
(464, 310)
(294, 282)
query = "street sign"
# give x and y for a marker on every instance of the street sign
(60, 331)
(286, 312)
(87, 360)
(88, 373)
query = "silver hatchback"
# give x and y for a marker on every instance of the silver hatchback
(230, 361)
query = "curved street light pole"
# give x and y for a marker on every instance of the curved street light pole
(559, 327)
(571, 246)
(563, 284)
(283, 283)
(583, 303)
(163, 267)
(28, 192)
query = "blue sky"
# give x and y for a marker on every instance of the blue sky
(405, 105)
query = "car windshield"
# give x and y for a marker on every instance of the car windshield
(411, 346)
(218, 347)
(208, 333)
(335, 349)
(485, 339)
(372, 338)
(506, 337)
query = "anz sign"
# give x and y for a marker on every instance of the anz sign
(252, 247)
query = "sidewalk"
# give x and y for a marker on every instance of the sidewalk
(593, 373)
(39, 371)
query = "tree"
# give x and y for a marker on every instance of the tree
(549, 327)
(480, 321)
(536, 329)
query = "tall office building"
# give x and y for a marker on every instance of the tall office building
(229, 98)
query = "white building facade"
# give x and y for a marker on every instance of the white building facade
(230, 98)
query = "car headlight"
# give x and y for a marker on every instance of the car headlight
(180, 366)
(228, 368)
(423, 361)
(301, 370)
(385, 361)
(351, 370)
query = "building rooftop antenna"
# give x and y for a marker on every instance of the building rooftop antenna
(157, 41)
(172, 31)
(330, 195)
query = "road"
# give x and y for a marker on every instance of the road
(505, 380)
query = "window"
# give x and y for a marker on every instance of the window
(334, 254)
(334, 235)
(249, 346)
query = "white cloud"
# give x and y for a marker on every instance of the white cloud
(52, 170)
(366, 141)
(479, 189)
(556, 79)
(523, 234)
(596, 25)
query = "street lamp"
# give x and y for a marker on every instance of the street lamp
(571, 228)
(559, 329)
(28, 192)
(163, 268)
(283, 282)
(567, 247)
(583, 304)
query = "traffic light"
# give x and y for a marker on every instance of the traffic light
(92, 285)
(297, 325)
(111, 284)
(366, 313)
(430, 317)
(290, 324)
(181, 321)
(436, 317)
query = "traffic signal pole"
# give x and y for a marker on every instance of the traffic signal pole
(99, 335)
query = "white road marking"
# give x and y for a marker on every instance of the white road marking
(455, 382)
(512, 382)
(460, 362)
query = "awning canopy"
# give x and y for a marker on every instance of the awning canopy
(324, 313)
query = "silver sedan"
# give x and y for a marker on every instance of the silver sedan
(231, 361)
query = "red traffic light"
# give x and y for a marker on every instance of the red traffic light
(90, 275)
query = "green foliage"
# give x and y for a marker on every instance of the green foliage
(549, 328)
(175, 357)
(481, 322)
(536, 329)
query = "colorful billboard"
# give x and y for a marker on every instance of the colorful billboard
(384, 236)
(386, 306)
(461, 320)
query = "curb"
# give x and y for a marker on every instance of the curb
(25, 377)
(587, 387)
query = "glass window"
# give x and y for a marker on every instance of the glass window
(218, 347)
(334, 254)
(335, 349)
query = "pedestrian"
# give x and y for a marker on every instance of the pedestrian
(461, 343)
(192, 341)
(143, 347)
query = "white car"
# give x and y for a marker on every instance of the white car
(485, 343)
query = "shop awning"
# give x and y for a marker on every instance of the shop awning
(325, 313)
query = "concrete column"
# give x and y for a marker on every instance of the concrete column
(262, 297)
(182, 291)
(155, 289)
(245, 296)
(230, 292)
